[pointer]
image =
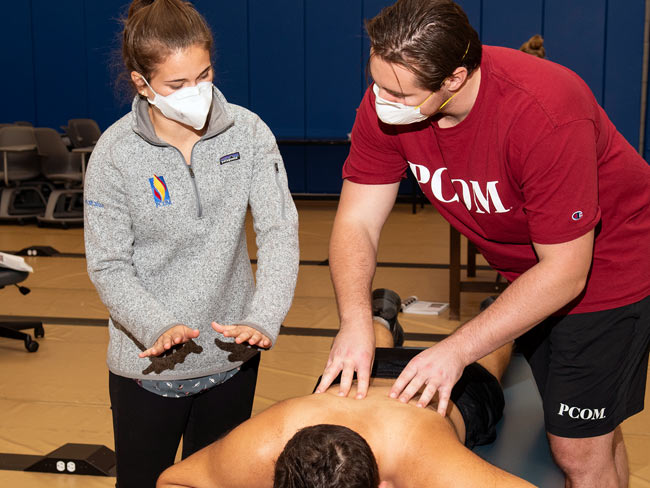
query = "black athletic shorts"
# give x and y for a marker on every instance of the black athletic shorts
(590, 368)
(478, 394)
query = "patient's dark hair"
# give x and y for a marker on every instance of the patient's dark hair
(326, 456)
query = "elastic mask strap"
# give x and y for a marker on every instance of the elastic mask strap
(425, 101)
(461, 60)
(466, 51)
(448, 100)
(147, 83)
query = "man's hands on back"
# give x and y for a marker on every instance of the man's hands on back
(353, 350)
(437, 368)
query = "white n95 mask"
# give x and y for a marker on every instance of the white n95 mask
(396, 113)
(189, 105)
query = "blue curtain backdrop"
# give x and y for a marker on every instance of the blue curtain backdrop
(299, 64)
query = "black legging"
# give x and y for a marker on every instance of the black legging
(148, 427)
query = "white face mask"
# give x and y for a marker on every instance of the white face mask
(189, 105)
(396, 113)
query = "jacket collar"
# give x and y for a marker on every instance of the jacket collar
(219, 119)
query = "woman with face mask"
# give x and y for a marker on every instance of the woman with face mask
(168, 187)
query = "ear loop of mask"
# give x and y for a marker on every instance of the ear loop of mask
(145, 80)
(449, 99)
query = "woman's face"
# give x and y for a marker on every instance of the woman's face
(182, 68)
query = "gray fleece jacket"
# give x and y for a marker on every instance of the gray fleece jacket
(166, 241)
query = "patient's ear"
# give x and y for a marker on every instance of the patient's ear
(385, 484)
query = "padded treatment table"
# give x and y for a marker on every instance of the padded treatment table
(521, 447)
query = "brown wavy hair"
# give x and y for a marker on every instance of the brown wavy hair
(154, 29)
(430, 38)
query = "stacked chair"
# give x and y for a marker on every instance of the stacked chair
(22, 196)
(41, 171)
(83, 133)
(62, 169)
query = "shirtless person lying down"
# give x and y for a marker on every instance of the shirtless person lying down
(329, 441)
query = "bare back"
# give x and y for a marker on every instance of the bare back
(413, 446)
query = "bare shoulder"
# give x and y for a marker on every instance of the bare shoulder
(429, 453)
(243, 458)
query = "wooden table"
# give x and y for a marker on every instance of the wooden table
(456, 285)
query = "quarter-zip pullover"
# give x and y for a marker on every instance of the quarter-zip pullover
(166, 241)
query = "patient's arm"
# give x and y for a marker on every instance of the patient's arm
(244, 458)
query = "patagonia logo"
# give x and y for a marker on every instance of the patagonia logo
(577, 215)
(229, 158)
(582, 413)
(160, 192)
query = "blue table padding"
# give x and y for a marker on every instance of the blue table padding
(521, 447)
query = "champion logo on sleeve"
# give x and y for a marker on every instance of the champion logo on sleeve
(160, 192)
(577, 215)
(229, 158)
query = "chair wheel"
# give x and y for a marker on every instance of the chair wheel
(39, 331)
(30, 345)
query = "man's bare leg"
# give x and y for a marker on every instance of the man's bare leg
(620, 458)
(592, 462)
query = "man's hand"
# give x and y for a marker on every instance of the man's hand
(243, 333)
(176, 335)
(353, 350)
(438, 367)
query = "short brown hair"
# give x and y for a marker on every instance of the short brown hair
(154, 29)
(430, 38)
(326, 456)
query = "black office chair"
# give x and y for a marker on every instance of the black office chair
(12, 330)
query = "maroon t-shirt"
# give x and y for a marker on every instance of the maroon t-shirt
(536, 160)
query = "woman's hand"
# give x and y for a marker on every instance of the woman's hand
(243, 333)
(176, 335)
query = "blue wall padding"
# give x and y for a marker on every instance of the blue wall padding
(624, 68)
(277, 64)
(17, 81)
(229, 23)
(59, 57)
(300, 65)
(575, 37)
(511, 22)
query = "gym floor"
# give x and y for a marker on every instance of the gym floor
(59, 394)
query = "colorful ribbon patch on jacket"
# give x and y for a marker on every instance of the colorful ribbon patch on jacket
(160, 192)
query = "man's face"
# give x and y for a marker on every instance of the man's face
(397, 84)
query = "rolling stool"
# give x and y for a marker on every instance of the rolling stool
(12, 330)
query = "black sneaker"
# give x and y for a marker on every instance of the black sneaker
(487, 302)
(387, 304)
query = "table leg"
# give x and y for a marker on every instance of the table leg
(454, 274)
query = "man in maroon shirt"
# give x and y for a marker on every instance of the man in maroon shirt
(515, 152)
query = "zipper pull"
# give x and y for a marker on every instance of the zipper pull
(276, 168)
(191, 171)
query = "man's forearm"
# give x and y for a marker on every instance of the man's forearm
(535, 295)
(352, 259)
